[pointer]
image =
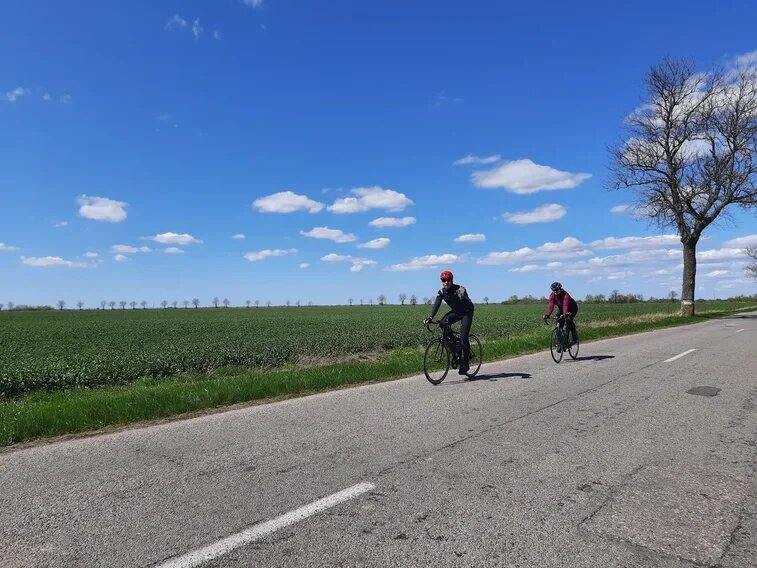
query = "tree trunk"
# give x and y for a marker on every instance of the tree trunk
(689, 278)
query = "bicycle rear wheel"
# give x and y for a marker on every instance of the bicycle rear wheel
(573, 349)
(436, 361)
(556, 345)
(476, 356)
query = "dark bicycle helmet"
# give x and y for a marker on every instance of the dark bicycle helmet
(555, 286)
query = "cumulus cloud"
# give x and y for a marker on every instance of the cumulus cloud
(358, 263)
(65, 98)
(286, 202)
(623, 208)
(173, 250)
(542, 214)
(381, 242)
(91, 255)
(336, 235)
(50, 261)
(742, 242)
(120, 258)
(720, 254)
(383, 222)
(170, 238)
(102, 209)
(238, 237)
(7, 248)
(254, 256)
(656, 241)
(304, 264)
(371, 198)
(471, 238)
(423, 262)
(15, 94)
(253, 3)
(60, 224)
(177, 22)
(477, 160)
(128, 249)
(525, 176)
(716, 273)
(569, 247)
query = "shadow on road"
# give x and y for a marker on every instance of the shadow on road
(744, 316)
(595, 358)
(494, 377)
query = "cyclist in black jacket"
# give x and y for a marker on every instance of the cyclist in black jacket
(456, 297)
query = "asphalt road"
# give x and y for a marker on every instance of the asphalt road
(604, 461)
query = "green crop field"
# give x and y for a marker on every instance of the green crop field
(61, 350)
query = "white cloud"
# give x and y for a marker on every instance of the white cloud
(216, 34)
(656, 241)
(15, 94)
(358, 263)
(49, 261)
(336, 235)
(747, 59)
(170, 238)
(120, 258)
(253, 3)
(286, 202)
(720, 254)
(47, 97)
(742, 242)
(102, 209)
(304, 264)
(197, 29)
(471, 238)
(623, 208)
(525, 176)
(238, 237)
(392, 222)
(91, 255)
(176, 21)
(371, 198)
(7, 248)
(173, 250)
(542, 214)
(60, 224)
(471, 159)
(428, 261)
(381, 242)
(569, 247)
(65, 98)
(528, 268)
(716, 273)
(128, 249)
(254, 256)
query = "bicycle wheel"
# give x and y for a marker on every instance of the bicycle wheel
(573, 349)
(555, 346)
(476, 356)
(436, 361)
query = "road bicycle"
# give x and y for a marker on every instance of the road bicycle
(560, 342)
(444, 351)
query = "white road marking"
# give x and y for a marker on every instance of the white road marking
(739, 330)
(679, 356)
(256, 532)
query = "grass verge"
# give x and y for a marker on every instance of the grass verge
(48, 414)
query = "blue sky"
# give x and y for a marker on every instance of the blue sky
(134, 128)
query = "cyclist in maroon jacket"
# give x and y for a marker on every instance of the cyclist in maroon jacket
(566, 306)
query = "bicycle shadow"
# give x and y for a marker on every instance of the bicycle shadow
(595, 358)
(496, 376)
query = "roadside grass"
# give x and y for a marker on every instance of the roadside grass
(48, 414)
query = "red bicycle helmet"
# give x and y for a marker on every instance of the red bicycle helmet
(446, 275)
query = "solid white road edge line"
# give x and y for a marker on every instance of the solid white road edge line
(739, 330)
(255, 532)
(679, 356)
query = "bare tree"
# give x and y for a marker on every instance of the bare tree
(310, 303)
(1, 307)
(257, 303)
(103, 304)
(133, 305)
(80, 304)
(751, 268)
(61, 304)
(486, 299)
(689, 153)
(226, 302)
(112, 305)
(673, 295)
(413, 300)
(268, 303)
(381, 299)
(614, 295)
(426, 300)
(248, 303)
(164, 303)
(215, 301)
(196, 302)
(288, 302)
(297, 303)
(402, 298)
(143, 304)
(349, 301)
(122, 304)
(174, 304)
(361, 301)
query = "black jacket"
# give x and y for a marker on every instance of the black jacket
(456, 297)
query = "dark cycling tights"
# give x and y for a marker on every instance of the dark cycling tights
(465, 323)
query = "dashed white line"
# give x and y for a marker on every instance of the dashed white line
(679, 356)
(256, 532)
(739, 330)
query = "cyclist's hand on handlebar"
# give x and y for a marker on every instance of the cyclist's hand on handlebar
(427, 320)
(545, 317)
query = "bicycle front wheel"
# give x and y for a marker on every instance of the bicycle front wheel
(573, 349)
(476, 356)
(556, 345)
(436, 361)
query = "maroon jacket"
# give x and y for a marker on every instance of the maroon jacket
(564, 303)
